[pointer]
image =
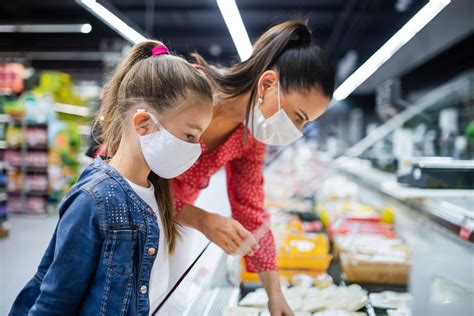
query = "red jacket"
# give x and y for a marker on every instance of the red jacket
(244, 168)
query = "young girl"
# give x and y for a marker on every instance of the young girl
(109, 252)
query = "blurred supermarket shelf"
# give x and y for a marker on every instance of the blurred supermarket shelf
(387, 182)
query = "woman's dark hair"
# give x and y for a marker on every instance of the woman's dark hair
(286, 47)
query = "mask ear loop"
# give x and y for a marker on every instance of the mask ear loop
(152, 117)
(278, 90)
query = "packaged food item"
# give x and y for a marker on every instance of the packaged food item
(310, 299)
(36, 136)
(303, 252)
(390, 300)
(36, 204)
(348, 298)
(323, 280)
(369, 244)
(377, 269)
(14, 136)
(313, 226)
(302, 279)
(344, 226)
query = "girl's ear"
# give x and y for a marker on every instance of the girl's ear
(142, 123)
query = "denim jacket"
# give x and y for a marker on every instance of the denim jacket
(100, 257)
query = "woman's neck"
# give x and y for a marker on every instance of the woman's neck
(131, 167)
(232, 109)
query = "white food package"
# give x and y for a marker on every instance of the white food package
(390, 300)
(303, 299)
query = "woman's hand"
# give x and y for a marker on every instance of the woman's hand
(225, 232)
(278, 306)
(229, 235)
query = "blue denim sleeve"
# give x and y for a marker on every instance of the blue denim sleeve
(76, 256)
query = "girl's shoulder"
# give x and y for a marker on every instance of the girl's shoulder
(114, 199)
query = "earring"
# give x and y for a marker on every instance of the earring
(260, 100)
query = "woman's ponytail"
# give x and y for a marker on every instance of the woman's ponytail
(286, 47)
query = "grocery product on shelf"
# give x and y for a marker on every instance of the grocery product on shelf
(304, 253)
(4, 230)
(59, 86)
(27, 154)
(298, 252)
(390, 300)
(311, 299)
(11, 77)
(378, 269)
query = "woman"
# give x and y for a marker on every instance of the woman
(287, 82)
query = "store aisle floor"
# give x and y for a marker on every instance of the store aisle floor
(21, 252)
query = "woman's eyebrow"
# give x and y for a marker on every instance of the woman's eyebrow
(304, 113)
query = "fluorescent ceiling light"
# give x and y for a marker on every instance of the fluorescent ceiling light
(113, 21)
(416, 23)
(236, 27)
(45, 28)
(71, 109)
(86, 28)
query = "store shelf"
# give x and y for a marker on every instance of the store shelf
(43, 147)
(451, 209)
(31, 168)
(388, 184)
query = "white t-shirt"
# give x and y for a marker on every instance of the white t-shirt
(159, 277)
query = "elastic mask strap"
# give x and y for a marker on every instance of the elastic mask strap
(278, 90)
(153, 118)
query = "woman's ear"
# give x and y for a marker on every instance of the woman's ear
(142, 123)
(267, 80)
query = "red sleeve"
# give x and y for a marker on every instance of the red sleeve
(246, 196)
(182, 194)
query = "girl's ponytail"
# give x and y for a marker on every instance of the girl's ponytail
(109, 113)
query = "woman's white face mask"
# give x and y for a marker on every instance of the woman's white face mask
(165, 154)
(276, 130)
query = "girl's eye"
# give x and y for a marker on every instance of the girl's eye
(190, 138)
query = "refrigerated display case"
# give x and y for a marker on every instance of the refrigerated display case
(399, 205)
(396, 248)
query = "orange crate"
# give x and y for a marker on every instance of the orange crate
(304, 253)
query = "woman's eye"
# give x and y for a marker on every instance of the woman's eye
(299, 118)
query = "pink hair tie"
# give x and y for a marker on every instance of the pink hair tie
(160, 50)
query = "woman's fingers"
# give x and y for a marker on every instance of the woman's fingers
(228, 249)
(247, 237)
(246, 241)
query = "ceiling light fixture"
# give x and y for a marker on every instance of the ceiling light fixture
(233, 20)
(45, 28)
(112, 21)
(416, 23)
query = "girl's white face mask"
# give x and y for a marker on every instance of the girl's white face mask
(165, 154)
(276, 130)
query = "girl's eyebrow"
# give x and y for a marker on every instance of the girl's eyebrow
(304, 113)
(194, 126)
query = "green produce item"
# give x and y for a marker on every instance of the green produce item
(470, 130)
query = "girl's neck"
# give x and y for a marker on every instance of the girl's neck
(131, 167)
(232, 109)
